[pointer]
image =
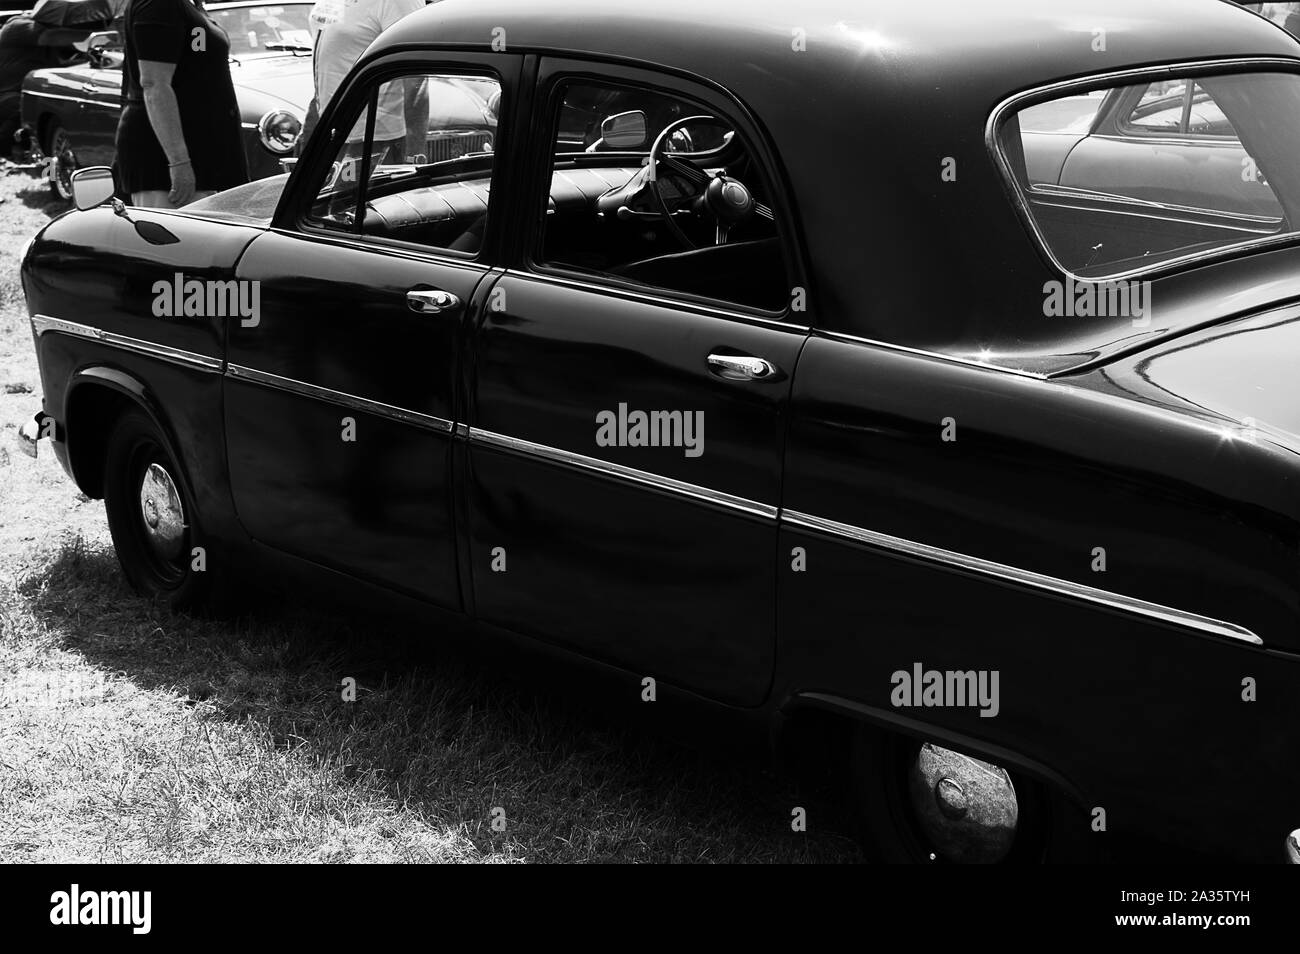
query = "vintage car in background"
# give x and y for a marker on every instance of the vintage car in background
(71, 112)
(1165, 141)
(982, 483)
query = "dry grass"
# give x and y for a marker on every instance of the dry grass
(128, 734)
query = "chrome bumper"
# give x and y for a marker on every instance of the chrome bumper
(29, 433)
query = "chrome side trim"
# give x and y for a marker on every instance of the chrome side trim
(631, 474)
(1122, 78)
(42, 324)
(341, 398)
(1051, 584)
(67, 99)
(1074, 192)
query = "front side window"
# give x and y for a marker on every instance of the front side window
(661, 191)
(1161, 171)
(416, 164)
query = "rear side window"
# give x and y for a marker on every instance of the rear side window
(1121, 179)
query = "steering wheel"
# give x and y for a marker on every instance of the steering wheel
(723, 198)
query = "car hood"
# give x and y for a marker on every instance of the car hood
(261, 83)
(251, 203)
(1242, 376)
(274, 81)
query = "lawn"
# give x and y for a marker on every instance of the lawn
(128, 734)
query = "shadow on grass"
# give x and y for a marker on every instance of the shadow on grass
(446, 732)
(34, 193)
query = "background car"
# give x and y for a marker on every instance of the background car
(71, 112)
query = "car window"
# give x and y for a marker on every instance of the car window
(1180, 109)
(428, 188)
(1124, 199)
(256, 30)
(608, 216)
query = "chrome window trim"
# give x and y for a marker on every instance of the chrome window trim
(712, 311)
(43, 324)
(478, 435)
(340, 398)
(921, 352)
(411, 250)
(1120, 77)
(988, 568)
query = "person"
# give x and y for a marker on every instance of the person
(178, 136)
(27, 45)
(342, 30)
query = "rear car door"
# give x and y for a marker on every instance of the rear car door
(340, 398)
(628, 399)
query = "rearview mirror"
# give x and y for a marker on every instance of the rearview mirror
(97, 41)
(624, 130)
(92, 187)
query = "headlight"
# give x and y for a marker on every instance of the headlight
(279, 131)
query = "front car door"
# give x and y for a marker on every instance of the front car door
(340, 398)
(628, 393)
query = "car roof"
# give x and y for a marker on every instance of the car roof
(864, 99)
(886, 39)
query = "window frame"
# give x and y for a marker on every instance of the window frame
(554, 73)
(293, 215)
(1128, 77)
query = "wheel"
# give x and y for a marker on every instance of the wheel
(63, 162)
(921, 803)
(152, 518)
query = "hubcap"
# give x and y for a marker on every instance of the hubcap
(162, 514)
(966, 808)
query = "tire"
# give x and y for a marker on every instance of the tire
(889, 786)
(58, 147)
(153, 520)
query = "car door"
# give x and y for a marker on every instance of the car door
(626, 434)
(98, 112)
(340, 398)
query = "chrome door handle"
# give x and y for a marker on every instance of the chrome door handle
(739, 367)
(431, 301)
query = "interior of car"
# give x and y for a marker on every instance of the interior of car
(645, 189)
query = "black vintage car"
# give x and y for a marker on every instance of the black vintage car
(788, 397)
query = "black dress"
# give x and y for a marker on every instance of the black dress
(175, 31)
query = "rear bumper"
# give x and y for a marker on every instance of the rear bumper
(29, 435)
(43, 427)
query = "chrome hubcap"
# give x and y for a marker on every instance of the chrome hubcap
(162, 513)
(966, 808)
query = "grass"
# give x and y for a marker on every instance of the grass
(131, 735)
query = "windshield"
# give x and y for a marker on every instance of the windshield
(1159, 172)
(259, 30)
